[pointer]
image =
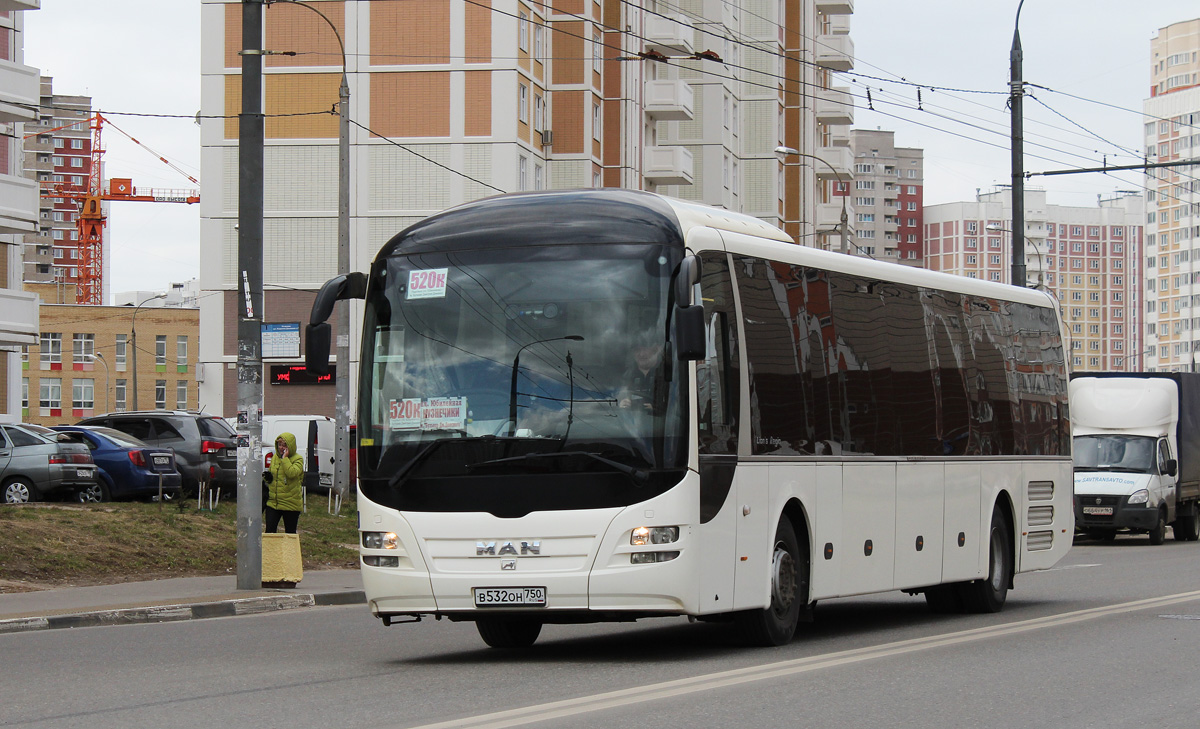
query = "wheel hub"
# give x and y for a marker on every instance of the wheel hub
(783, 580)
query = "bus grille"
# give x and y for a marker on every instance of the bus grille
(1041, 490)
(1041, 515)
(1039, 541)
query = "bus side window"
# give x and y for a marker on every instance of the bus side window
(717, 380)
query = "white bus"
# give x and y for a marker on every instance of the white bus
(607, 405)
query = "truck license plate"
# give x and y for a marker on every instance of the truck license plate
(510, 596)
(1098, 510)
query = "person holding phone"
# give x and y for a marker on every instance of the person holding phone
(285, 483)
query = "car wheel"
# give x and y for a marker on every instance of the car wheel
(94, 493)
(776, 624)
(19, 491)
(508, 632)
(1187, 525)
(1158, 534)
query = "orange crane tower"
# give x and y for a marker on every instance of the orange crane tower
(91, 219)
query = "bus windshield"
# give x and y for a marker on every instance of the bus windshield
(512, 380)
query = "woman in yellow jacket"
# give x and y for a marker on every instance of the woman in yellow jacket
(285, 483)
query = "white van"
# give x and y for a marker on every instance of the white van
(314, 440)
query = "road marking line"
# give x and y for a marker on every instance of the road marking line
(707, 682)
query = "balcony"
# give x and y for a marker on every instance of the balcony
(838, 135)
(670, 35)
(835, 52)
(838, 24)
(18, 205)
(669, 100)
(19, 92)
(18, 317)
(835, 106)
(668, 166)
(20, 4)
(840, 159)
(835, 7)
(829, 215)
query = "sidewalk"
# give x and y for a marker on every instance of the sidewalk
(184, 598)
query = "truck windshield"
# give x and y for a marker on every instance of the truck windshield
(1129, 453)
(524, 379)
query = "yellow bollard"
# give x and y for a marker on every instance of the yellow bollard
(281, 563)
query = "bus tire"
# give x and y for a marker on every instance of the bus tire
(1158, 534)
(1187, 524)
(988, 595)
(508, 632)
(776, 624)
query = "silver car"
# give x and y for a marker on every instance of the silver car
(34, 465)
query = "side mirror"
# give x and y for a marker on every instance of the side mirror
(689, 333)
(1171, 467)
(689, 274)
(316, 348)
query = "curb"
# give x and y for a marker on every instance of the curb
(186, 611)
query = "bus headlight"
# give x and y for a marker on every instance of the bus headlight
(651, 557)
(1139, 497)
(379, 540)
(654, 535)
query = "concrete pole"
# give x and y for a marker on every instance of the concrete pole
(1017, 91)
(251, 137)
(341, 461)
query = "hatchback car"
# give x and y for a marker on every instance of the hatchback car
(127, 468)
(34, 465)
(205, 445)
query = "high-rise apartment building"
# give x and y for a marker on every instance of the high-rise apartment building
(452, 101)
(1172, 130)
(18, 204)
(1089, 258)
(58, 149)
(888, 197)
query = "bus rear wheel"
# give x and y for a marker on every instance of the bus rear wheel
(776, 624)
(508, 632)
(989, 595)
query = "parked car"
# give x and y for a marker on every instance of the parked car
(34, 465)
(205, 445)
(126, 467)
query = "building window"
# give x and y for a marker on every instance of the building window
(539, 112)
(119, 395)
(538, 183)
(539, 48)
(160, 394)
(51, 393)
(522, 164)
(160, 349)
(51, 349)
(83, 348)
(83, 394)
(595, 121)
(523, 103)
(24, 393)
(119, 355)
(181, 351)
(522, 31)
(181, 394)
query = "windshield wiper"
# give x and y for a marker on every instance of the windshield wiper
(638, 475)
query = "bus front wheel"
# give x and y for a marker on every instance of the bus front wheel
(775, 625)
(508, 632)
(989, 595)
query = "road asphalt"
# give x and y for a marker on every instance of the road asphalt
(182, 598)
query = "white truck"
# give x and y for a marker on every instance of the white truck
(1137, 453)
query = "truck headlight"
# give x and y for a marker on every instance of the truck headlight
(374, 560)
(651, 557)
(379, 540)
(642, 536)
(1139, 497)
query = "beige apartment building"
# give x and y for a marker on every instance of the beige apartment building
(1172, 133)
(452, 101)
(888, 198)
(86, 357)
(1088, 258)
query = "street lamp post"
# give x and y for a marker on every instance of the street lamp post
(997, 228)
(97, 356)
(845, 224)
(133, 342)
(512, 393)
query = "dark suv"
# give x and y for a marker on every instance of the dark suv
(205, 445)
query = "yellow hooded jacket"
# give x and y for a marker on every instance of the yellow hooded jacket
(287, 478)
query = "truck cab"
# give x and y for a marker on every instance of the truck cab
(1126, 467)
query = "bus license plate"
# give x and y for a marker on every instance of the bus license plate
(1098, 510)
(510, 596)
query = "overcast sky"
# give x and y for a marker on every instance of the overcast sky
(143, 57)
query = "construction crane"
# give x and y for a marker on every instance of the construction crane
(91, 219)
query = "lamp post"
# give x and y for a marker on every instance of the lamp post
(97, 356)
(997, 228)
(133, 342)
(512, 393)
(845, 224)
(1016, 94)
